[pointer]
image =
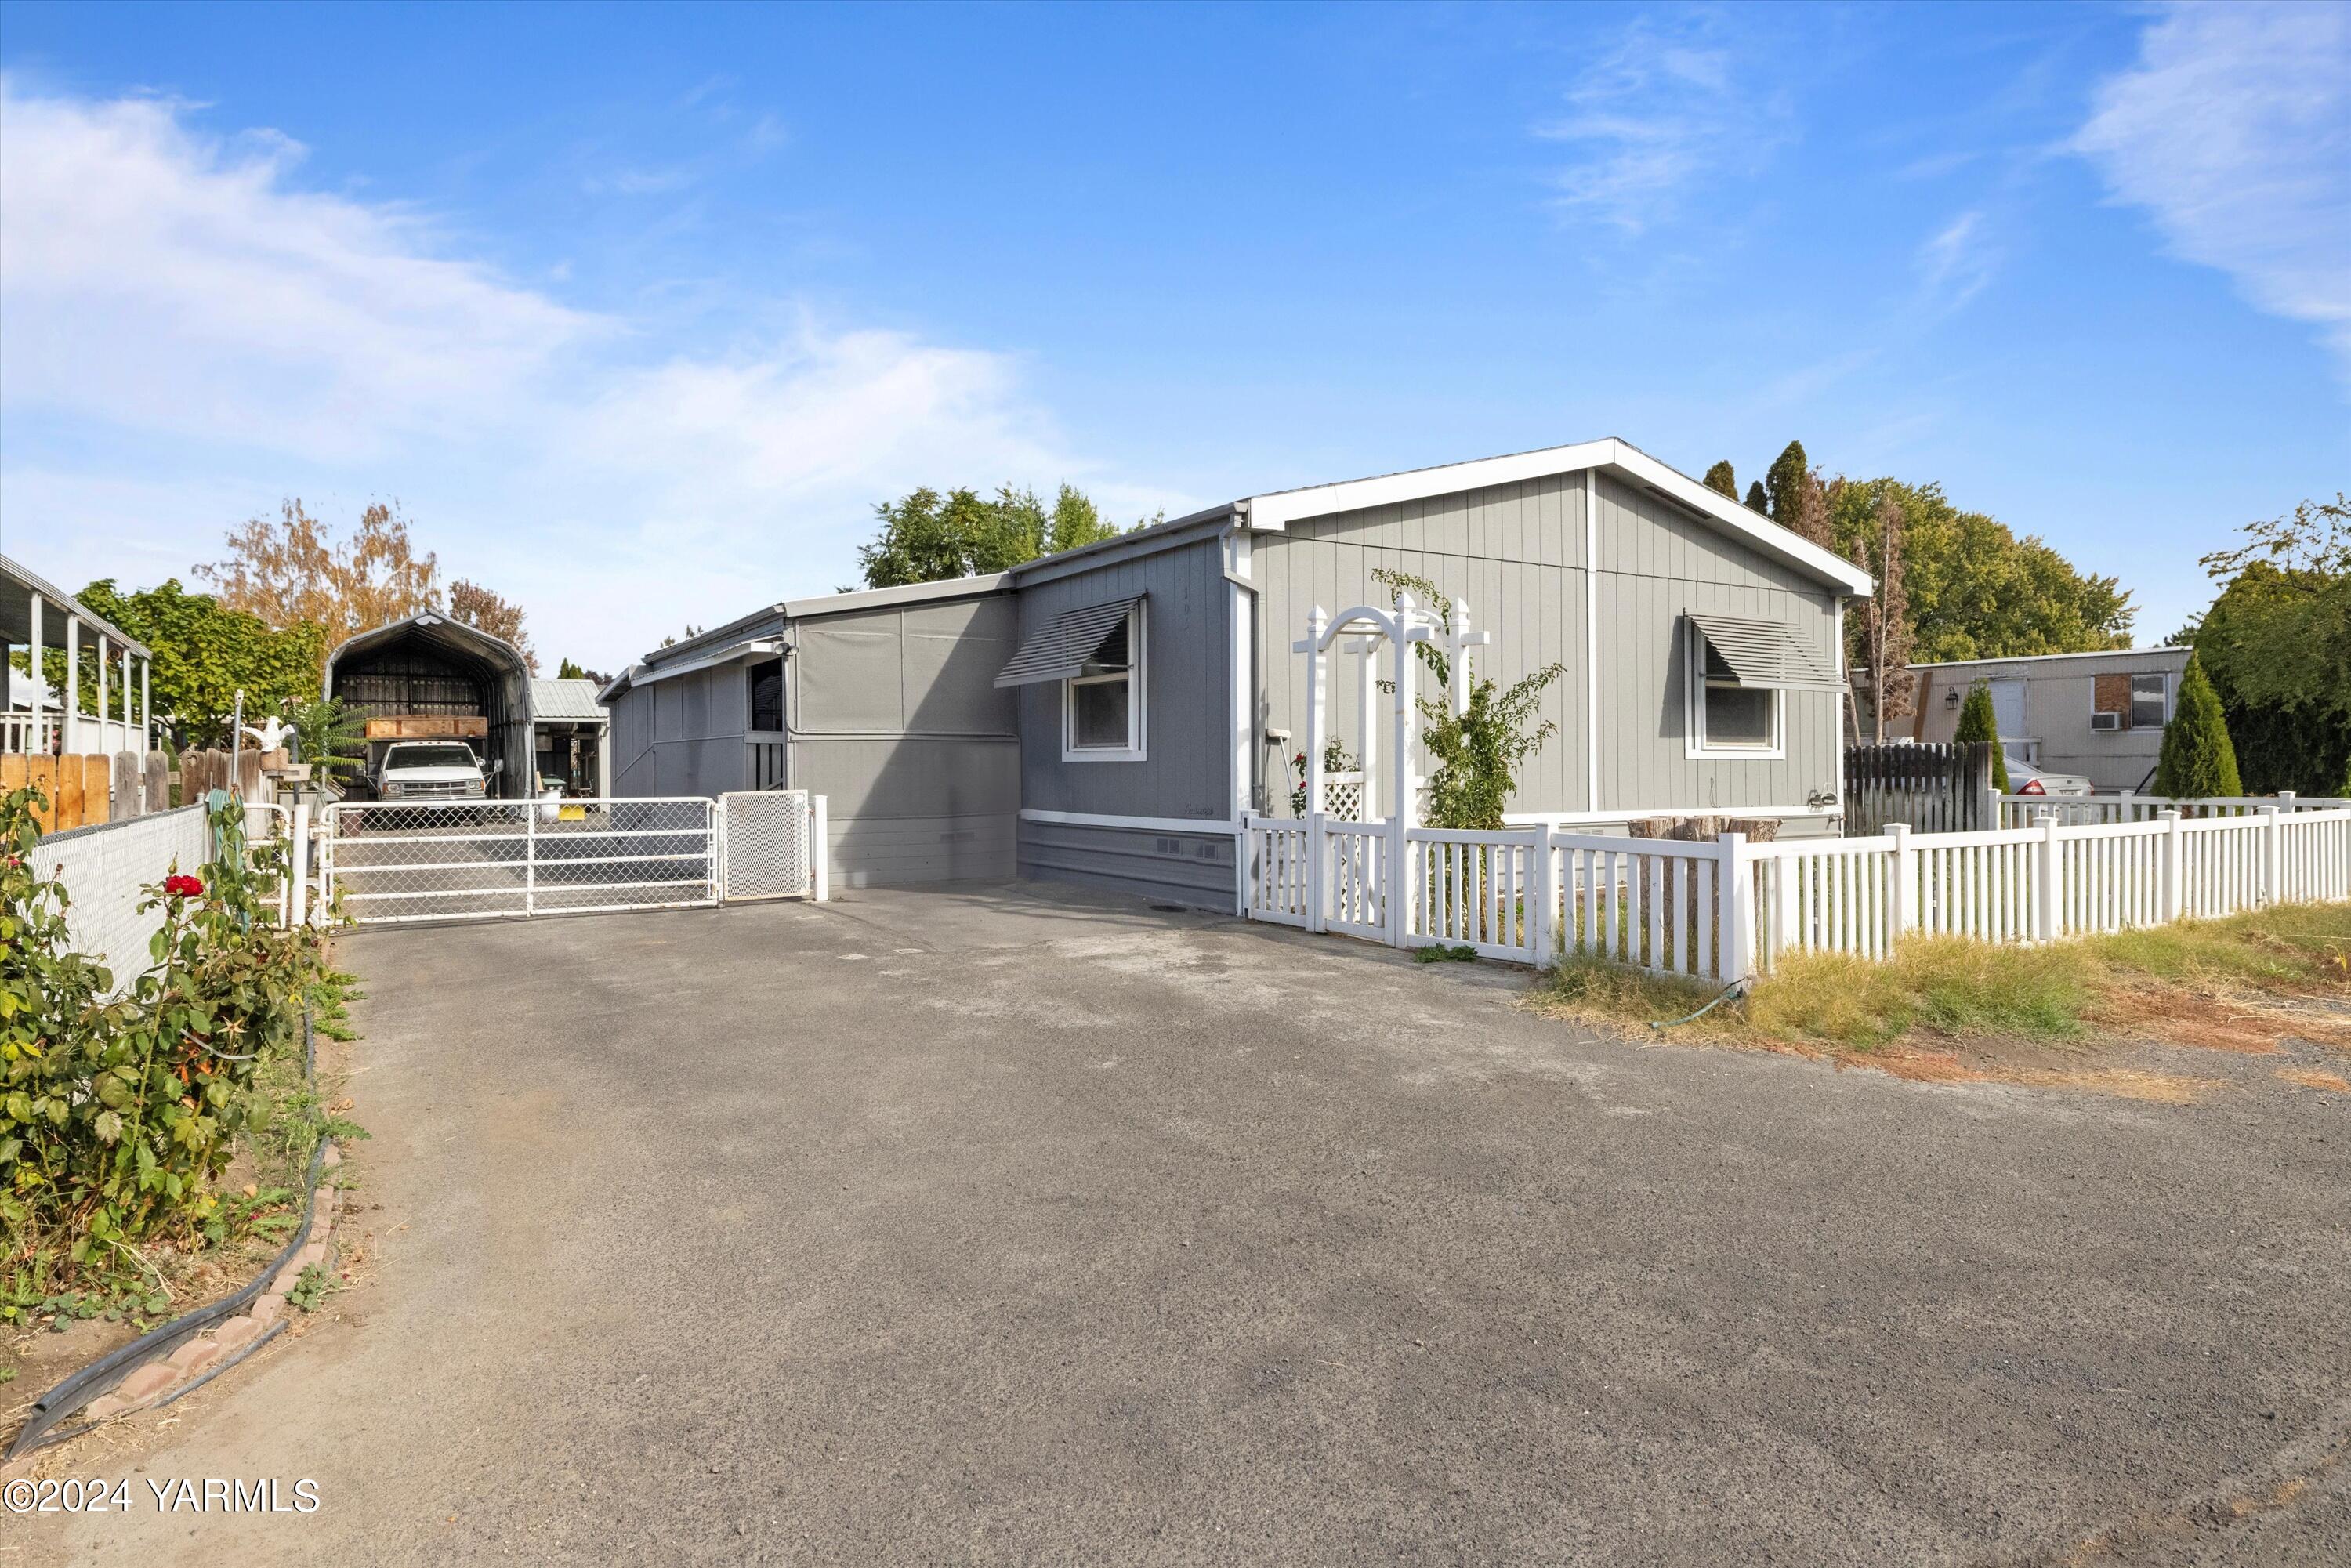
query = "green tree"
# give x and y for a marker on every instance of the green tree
(1975, 590)
(2276, 644)
(2196, 760)
(1784, 482)
(205, 653)
(925, 537)
(1977, 723)
(1756, 501)
(1722, 480)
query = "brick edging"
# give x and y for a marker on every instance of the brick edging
(234, 1339)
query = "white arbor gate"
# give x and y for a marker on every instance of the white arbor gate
(393, 862)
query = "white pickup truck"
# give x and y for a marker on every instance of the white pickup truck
(430, 770)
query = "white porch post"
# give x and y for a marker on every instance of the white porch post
(70, 739)
(126, 702)
(146, 705)
(38, 742)
(101, 694)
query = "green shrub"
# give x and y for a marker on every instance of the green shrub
(2196, 759)
(1977, 722)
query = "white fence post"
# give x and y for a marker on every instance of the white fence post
(2273, 855)
(2174, 893)
(1546, 896)
(1734, 893)
(2049, 882)
(530, 857)
(1317, 844)
(1902, 899)
(1785, 904)
(298, 864)
(1241, 865)
(820, 852)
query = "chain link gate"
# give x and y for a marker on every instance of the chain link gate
(774, 840)
(479, 860)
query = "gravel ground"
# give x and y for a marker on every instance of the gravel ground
(1006, 1224)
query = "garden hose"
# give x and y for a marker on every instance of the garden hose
(1734, 988)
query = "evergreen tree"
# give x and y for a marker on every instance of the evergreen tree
(2196, 760)
(1721, 480)
(1755, 498)
(1977, 723)
(1785, 481)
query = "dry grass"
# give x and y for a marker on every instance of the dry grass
(1945, 1010)
(2313, 1078)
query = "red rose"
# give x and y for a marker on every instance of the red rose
(183, 886)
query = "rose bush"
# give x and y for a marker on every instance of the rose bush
(119, 1111)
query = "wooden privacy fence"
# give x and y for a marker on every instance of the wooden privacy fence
(1723, 909)
(1940, 788)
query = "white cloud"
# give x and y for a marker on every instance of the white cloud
(1956, 263)
(2234, 130)
(190, 335)
(1654, 116)
(163, 281)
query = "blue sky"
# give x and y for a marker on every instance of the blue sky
(638, 311)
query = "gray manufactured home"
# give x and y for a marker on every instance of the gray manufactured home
(1108, 715)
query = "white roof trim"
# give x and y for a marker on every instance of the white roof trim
(726, 656)
(906, 593)
(2160, 651)
(1275, 510)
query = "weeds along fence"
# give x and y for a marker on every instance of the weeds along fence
(1721, 910)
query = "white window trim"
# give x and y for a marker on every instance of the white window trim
(1695, 744)
(1136, 749)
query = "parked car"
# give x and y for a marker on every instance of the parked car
(2025, 779)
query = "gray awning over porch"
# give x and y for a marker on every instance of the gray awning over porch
(1764, 653)
(1060, 648)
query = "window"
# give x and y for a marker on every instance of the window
(1725, 717)
(767, 696)
(2147, 694)
(1102, 704)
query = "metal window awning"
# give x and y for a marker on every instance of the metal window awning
(1060, 648)
(1764, 653)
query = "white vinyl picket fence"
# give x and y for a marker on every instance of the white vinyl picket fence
(1724, 909)
(2084, 811)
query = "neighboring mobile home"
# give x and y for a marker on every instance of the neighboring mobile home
(1106, 715)
(2097, 715)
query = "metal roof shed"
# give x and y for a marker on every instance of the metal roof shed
(432, 666)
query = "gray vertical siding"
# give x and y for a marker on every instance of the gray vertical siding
(682, 736)
(1516, 553)
(895, 720)
(1185, 647)
(1658, 561)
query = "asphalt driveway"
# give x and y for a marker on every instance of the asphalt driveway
(1008, 1225)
